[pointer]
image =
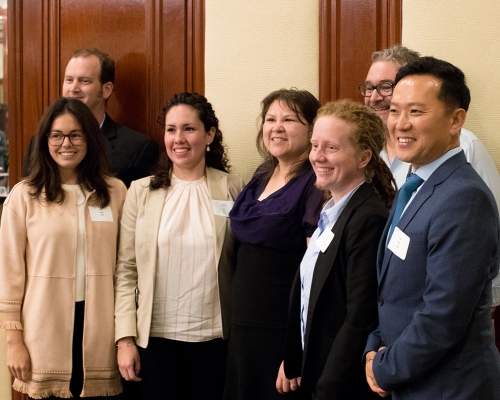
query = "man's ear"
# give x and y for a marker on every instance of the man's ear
(458, 120)
(107, 89)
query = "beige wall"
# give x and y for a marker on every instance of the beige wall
(252, 48)
(257, 46)
(467, 34)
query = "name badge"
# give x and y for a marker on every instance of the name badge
(324, 240)
(221, 207)
(399, 243)
(101, 214)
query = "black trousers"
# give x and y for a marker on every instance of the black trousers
(172, 369)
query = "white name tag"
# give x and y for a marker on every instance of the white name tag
(324, 240)
(221, 207)
(399, 243)
(101, 214)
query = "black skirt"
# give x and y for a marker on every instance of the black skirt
(259, 303)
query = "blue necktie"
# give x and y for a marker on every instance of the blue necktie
(411, 184)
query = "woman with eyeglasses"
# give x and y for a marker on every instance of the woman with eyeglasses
(59, 232)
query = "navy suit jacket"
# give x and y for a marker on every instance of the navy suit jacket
(342, 306)
(434, 306)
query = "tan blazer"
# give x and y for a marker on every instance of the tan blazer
(138, 250)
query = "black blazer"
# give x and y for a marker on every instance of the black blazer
(342, 305)
(132, 155)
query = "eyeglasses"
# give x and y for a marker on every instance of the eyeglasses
(384, 89)
(57, 138)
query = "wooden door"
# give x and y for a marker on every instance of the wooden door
(157, 45)
(350, 31)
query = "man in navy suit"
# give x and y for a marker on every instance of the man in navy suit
(436, 262)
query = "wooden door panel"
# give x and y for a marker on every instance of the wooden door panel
(350, 31)
(120, 32)
(157, 45)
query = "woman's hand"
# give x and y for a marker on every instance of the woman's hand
(129, 362)
(18, 358)
(284, 385)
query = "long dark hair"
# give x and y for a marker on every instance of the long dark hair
(215, 158)
(304, 105)
(92, 171)
(368, 134)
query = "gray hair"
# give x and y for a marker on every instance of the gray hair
(397, 54)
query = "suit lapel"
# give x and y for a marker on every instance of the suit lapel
(383, 254)
(155, 201)
(325, 261)
(217, 187)
(108, 128)
(426, 191)
(420, 198)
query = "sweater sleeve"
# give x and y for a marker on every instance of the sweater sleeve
(12, 259)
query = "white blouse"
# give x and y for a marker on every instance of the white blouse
(186, 304)
(80, 241)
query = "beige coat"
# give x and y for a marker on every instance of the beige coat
(37, 274)
(138, 249)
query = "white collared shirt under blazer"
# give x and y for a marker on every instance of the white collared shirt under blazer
(186, 303)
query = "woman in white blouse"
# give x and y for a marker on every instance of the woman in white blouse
(176, 261)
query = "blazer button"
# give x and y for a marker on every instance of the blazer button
(380, 302)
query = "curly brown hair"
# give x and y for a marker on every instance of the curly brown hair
(368, 134)
(215, 158)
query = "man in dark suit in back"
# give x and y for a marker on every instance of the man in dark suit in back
(438, 253)
(89, 77)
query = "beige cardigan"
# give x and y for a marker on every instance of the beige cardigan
(37, 272)
(137, 253)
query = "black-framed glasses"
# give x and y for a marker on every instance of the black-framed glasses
(57, 138)
(384, 89)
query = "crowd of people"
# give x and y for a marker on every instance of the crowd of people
(360, 261)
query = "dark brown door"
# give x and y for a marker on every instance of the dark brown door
(157, 45)
(350, 31)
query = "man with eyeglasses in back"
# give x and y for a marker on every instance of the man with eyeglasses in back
(377, 91)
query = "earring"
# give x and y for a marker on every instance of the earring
(208, 147)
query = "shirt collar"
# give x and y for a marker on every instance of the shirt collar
(427, 170)
(331, 211)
